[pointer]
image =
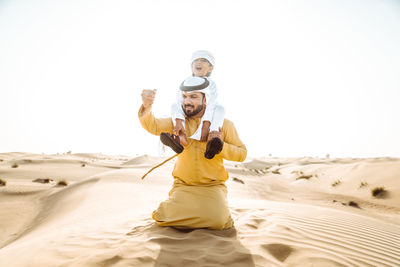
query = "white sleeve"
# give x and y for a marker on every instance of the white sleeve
(218, 118)
(211, 98)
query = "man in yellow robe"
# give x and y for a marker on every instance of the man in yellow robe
(198, 198)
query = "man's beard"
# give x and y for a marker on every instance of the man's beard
(194, 112)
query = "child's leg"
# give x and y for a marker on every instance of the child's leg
(201, 133)
(175, 114)
(205, 126)
(215, 144)
(171, 139)
(180, 131)
(205, 129)
(179, 123)
(197, 133)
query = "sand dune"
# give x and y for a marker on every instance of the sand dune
(287, 212)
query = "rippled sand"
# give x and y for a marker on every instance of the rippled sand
(287, 212)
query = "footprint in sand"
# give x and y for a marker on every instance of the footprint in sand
(42, 180)
(235, 179)
(279, 251)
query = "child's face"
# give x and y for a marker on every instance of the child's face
(201, 67)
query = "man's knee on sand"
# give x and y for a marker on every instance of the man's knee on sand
(209, 204)
(218, 215)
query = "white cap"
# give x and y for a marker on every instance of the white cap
(203, 54)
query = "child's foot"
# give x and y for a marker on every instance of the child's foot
(214, 146)
(172, 141)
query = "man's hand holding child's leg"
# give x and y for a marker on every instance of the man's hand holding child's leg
(204, 131)
(180, 131)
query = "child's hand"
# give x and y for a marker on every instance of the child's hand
(204, 131)
(148, 97)
(179, 130)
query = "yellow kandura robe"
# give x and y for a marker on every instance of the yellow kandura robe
(198, 198)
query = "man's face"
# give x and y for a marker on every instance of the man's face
(201, 67)
(193, 103)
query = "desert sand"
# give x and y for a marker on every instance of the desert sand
(287, 212)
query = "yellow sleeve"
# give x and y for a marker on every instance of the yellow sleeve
(153, 125)
(234, 149)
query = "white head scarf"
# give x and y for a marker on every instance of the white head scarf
(199, 84)
(193, 83)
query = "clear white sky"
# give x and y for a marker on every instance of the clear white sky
(298, 78)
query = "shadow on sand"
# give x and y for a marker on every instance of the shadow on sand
(200, 247)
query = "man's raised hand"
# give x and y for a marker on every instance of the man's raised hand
(148, 97)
